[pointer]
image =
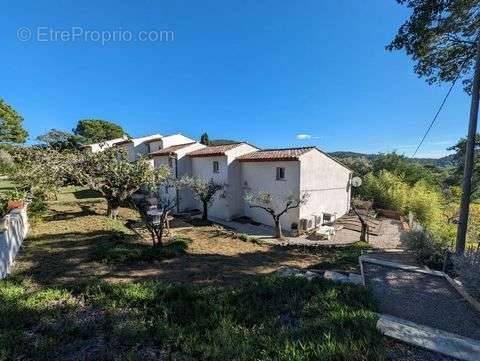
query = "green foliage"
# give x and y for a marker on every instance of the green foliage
(340, 257)
(41, 170)
(10, 195)
(204, 139)
(359, 165)
(204, 191)
(390, 191)
(37, 208)
(403, 167)
(387, 190)
(7, 162)
(440, 37)
(456, 178)
(117, 253)
(61, 140)
(97, 130)
(264, 319)
(426, 202)
(114, 176)
(428, 247)
(11, 125)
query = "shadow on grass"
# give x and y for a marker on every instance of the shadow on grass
(284, 318)
(86, 209)
(86, 193)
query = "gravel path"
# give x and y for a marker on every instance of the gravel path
(391, 230)
(422, 298)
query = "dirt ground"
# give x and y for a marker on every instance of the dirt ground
(61, 248)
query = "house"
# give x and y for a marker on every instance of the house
(136, 147)
(296, 171)
(243, 168)
(174, 157)
(220, 164)
(97, 147)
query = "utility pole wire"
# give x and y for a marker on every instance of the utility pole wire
(439, 110)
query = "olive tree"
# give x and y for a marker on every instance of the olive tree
(275, 205)
(41, 170)
(110, 173)
(203, 191)
(154, 215)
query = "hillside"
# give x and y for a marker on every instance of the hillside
(444, 162)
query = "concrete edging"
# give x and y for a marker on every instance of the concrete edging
(446, 343)
(460, 289)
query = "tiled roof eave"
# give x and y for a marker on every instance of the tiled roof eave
(278, 159)
(206, 155)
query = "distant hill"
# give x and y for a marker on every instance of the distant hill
(444, 162)
(222, 142)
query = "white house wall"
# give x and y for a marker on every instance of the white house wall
(202, 167)
(328, 184)
(234, 180)
(97, 147)
(184, 164)
(261, 177)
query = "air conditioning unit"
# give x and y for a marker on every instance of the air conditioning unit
(303, 224)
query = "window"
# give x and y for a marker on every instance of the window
(280, 173)
(170, 162)
(215, 167)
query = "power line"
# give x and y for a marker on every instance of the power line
(439, 110)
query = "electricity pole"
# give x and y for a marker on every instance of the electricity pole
(469, 158)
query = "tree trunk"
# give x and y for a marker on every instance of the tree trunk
(364, 231)
(205, 211)
(159, 237)
(112, 209)
(278, 229)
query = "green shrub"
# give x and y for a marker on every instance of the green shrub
(115, 253)
(387, 190)
(37, 208)
(7, 163)
(425, 202)
(428, 248)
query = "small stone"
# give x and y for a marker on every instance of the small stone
(335, 277)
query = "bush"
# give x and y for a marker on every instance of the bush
(428, 248)
(37, 208)
(116, 253)
(467, 266)
(386, 190)
(425, 202)
(7, 163)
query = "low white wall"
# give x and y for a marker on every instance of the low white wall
(11, 238)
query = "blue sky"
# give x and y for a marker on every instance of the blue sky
(259, 71)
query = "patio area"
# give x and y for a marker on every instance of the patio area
(390, 231)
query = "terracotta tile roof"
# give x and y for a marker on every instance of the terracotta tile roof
(213, 151)
(170, 150)
(269, 155)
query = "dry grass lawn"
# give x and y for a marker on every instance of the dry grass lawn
(69, 297)
(61, 249)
